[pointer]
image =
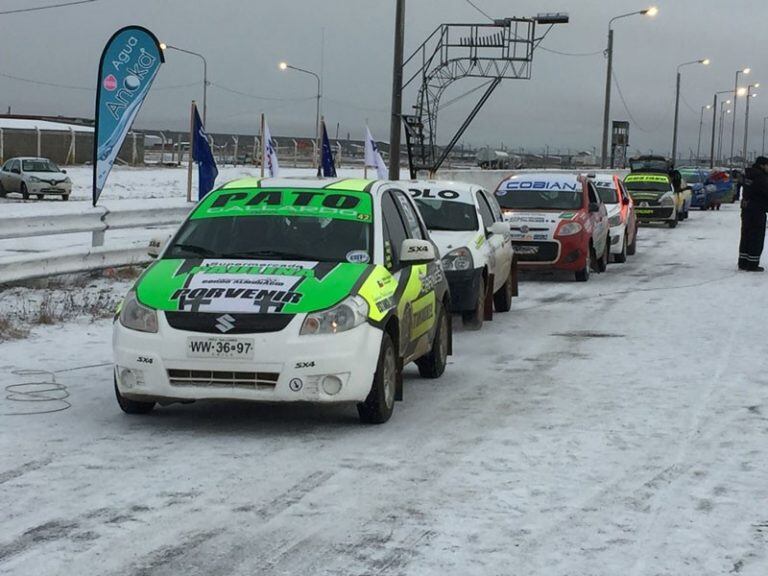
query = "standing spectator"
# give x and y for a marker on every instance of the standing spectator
(754, 205)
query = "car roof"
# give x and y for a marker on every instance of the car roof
(605, 177)
(29, 158)
(465, 190)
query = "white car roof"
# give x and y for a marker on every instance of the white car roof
(605, 179)
(464, 192)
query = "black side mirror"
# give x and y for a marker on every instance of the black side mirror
(594, 207)
(625, 201)
(63, 171)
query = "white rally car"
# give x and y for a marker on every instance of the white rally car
(466, 224)
(621, 215)
(286, 290)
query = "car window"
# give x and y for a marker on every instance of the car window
(394, 231)
(7, 166)
(485, 211)
(39, 165)
(495, 208)
(410, 217)
(15, 165)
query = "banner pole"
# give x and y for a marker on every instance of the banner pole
(263, 146)
(191, 151)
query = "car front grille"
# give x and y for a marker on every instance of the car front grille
(223, 379)
(536, 251)
(208, 322)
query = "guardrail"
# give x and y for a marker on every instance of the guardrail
(96, 221)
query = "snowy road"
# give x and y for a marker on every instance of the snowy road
(613, 427)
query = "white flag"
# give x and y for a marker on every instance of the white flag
(271, 167)
(373, 157)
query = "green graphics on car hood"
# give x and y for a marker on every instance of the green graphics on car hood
(322, 202)
(264, 286)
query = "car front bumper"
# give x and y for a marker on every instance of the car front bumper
(618, 235)
(655, 213)
(464, 285)
(47, 188)
(561, 253)
(287, 367)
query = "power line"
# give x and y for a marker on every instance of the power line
(577, 54)
(47, 7)
(84, 88)
(257, 97)
(476, 7)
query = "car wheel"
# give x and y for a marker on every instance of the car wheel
(24, 191)
(39, 196)
(502, 300)
(602, 264)
(433, 364)
(621, 257)
(132, 406)
(2, 190)
(380, 403)
(473, 320)
(632, 248)
(583, 274)
(672, 223)
(65, 197)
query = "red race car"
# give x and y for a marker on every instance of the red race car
(557, 220)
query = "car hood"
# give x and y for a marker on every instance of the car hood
(48, 176)
(613, 209)
(519, 217)
(264, 286)
(450, 240)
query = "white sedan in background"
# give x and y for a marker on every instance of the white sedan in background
(34, 177)
(621, 215)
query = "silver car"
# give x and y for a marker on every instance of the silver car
(34, 177)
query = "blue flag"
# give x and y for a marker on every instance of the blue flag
(329, 168)
(128, 65)
(202, 155)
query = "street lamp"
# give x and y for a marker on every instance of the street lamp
(746, 119)
(701, 124)
(714, 127)
(652, 11)
(285, 66)
(745, 71)
(164, 47)
(720, 137)
(704, 62)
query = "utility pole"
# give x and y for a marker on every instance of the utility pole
(607, 106)
(395, 125)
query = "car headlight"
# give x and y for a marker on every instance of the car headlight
(667, 200)
(459, 259)
(614, 220)
(67, 180)
(346, 315)
(34, 179)
(135, 316)
(569, 229)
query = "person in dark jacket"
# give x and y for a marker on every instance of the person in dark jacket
(754, 205)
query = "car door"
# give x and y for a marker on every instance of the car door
(628, 208)
(15, 176)
(499, 257)
(5, 174)
(600, 219)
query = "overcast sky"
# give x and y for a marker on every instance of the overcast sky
(243, 40)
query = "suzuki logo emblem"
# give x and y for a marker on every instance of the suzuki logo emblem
(524, 229)
(225, 323)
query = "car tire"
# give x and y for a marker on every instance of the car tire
(132, 406)
(672, 223)
(65, 197)
(502, 300)
(473, 320)
(2, 191)
(433, 364)
(583, 274)
(632, 247)
(602, 263)
(621, 257)
(24, 191)
(380, 403)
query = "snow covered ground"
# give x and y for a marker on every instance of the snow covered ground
(613, 427)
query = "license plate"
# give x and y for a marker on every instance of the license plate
(644, 211)
(527, 249)
(232, 348)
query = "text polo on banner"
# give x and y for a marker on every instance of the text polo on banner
(129, 64)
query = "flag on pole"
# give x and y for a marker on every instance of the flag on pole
(329, 168)
(203, 157)
(269, 153)
(373, 157)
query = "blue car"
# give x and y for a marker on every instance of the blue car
(702, 191)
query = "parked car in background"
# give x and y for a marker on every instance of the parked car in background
(34, 177)
(661, 166)
(466, 224)
(703, 192)
(557, 220)
(621, 215)
(655, 198)
(725, 187)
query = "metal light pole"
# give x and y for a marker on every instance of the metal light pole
(701, 125)
(397, 93)
(746, 120)
(714, 127)
(735, 101)
(164, 46)
(764, 120)
(705, 62)
(316, 152)
(720, 136)
(652, 11)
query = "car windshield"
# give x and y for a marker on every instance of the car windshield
(447, 215)
(39, 165)
(540, 199)
(309, 238)
(691, 177)
(607, 194)
(648, 186)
